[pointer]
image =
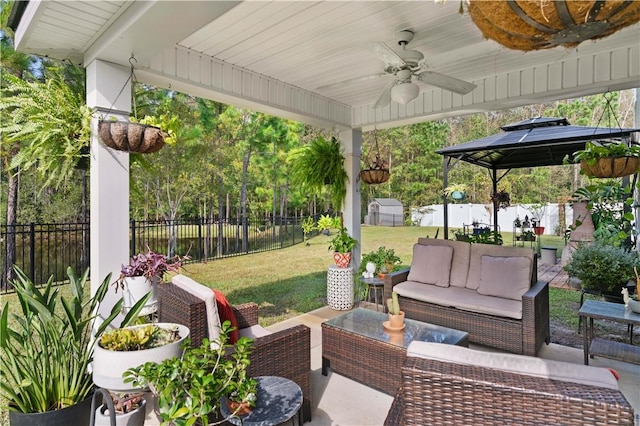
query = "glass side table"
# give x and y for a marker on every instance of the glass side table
(279, 400)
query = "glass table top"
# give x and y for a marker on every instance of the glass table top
(609, 310)
(368, 323)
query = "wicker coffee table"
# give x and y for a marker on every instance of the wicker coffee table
(357, 346)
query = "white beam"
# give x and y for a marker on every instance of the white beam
(108, 88)
(351, 141)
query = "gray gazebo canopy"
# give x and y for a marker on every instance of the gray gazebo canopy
(540, 141)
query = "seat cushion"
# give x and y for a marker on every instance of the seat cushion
(507, 277)
(431, 264)
(520, 364)
(461, 298)
(208, 296)
(254, 332)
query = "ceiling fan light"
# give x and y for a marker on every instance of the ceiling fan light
(404, 93)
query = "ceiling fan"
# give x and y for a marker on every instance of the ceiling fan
(404, 66)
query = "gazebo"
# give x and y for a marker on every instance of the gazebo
(540, 141)
(330, 64)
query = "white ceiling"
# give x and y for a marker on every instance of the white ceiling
(273, 56)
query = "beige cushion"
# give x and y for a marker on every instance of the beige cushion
(254, 332)
(209, 297)
(506, 277)
(461, 298)
(431, 265)
(479, 250)
(520, 364)
(459, 262)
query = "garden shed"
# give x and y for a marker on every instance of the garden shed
(385, 212)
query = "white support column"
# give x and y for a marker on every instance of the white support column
(351, 141)
(109, 178)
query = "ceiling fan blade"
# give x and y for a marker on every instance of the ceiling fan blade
(386, 54)
(351, 80)
(385, 97)
(445, 82)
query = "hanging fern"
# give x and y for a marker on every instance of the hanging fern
(320, 164)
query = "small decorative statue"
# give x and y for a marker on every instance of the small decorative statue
(625, 296)
(370, 270)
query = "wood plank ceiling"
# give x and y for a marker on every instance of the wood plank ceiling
(287, 50)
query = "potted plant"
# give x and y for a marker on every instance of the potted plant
(46, 349)
(120, 349)
(501, 199)
(325, 223)
(384, 259)
(189, 388)
(308, 226)
(457, 191)
(603, 268)
(126, 409)
(242, 394)
(320, 164)
(602, 160)
(142, 274)
(342, 245)
(396, 316)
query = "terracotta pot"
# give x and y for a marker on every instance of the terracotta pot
(342, 259)
(242, 408)
(396, 321)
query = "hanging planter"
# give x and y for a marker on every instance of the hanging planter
(131, 137)
(375, 176)
(378, 171)
(611, 167)
(535, 25)
(457, 191)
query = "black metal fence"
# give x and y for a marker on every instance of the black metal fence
(43, 250)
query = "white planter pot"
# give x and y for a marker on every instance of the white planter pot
(135, 288)
(108, 366)
(133, 418)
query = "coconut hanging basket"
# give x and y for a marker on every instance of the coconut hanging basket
(611, 167)
(374, 176)
(131, 137)
(543, 24)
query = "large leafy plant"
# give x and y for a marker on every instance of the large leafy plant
(190, 388)
(320, 164)
(602, 267)
(46, 349)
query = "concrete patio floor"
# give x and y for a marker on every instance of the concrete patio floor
(337, 400)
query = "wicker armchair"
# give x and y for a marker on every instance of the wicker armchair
(436, 392)
(285, 353)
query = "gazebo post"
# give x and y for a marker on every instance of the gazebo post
(494, 182)
(445, 203)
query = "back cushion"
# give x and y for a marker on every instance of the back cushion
(204, 293)
(431, 265)
(479, 250)
(506, 277)
(459, 262)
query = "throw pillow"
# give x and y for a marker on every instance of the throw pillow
(431, 265)
(506, 277)
(225, 311)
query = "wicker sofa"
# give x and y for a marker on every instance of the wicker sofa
(445, 384)
(285, 353)
(489, 291)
